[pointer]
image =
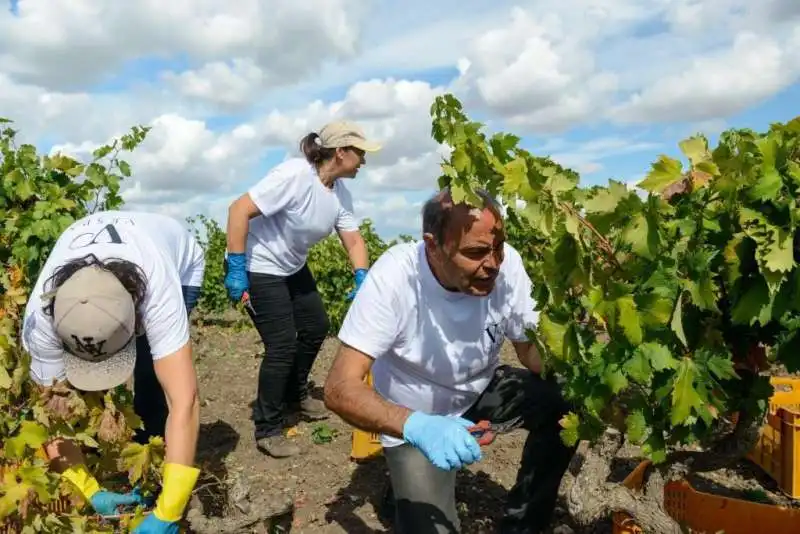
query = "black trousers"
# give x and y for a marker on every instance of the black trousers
(423, 496)
(291, 319)
(149, 401)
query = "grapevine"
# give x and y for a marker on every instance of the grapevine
(659, 312)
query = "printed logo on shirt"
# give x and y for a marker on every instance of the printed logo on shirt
(108, 235)
(494, 335)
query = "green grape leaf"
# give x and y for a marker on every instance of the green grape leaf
(657, 355)
(779, 256)
(569, 429)
(637, 427)
(695, 149)
(641, 236)
(5, 378)
(685, 398)
(677, 320)
(31, 434)
(615, 379)
(606, 200)
(664, 173)
(629, 319)
(638, 367)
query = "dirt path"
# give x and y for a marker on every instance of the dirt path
(331, 493)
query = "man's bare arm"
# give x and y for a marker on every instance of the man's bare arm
(352, 399)
(528, 356)
(178, 379)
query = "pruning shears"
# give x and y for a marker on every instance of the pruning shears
(246, 301)
(485, 431)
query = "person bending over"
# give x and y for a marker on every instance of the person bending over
(112, 302)
(429, 322)
(270, 230)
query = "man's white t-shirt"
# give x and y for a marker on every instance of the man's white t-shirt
(166, 252)
(297, 211)
(435, 350)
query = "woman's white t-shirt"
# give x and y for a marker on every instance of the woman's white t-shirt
(297, 211)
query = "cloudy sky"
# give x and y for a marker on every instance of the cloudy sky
(229, 87)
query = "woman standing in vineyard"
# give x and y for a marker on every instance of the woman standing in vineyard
(270, 230)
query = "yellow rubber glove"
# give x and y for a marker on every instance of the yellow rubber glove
(179, 481)
(83, 480)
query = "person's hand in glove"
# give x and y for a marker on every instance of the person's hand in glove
(236, 278)
(179, 481)
(359, 275)
(104, 502)
(153, 525)
(443, 440)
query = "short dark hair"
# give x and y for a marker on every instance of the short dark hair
(437, 212)
(129, 274)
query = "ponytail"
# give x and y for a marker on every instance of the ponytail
(312, 148)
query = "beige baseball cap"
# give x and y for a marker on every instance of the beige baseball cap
(95, 317)
(339, 134)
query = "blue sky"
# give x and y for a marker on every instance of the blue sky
(603, 86)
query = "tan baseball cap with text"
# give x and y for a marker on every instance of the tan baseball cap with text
(95, 318)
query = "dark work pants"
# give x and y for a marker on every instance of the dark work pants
(424, 495)
(149, 401)
(290, 318)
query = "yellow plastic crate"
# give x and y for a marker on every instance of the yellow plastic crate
(365, 445)
(777, 451)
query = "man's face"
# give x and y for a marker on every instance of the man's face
(469, 261)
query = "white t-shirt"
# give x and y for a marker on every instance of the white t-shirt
(297, 211)
(435, 350)
(165, 251)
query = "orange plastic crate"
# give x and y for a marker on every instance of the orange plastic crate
(705, 513)
(622, 522)
(365, 445)
(777, 451)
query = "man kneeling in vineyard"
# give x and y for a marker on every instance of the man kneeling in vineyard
(433, 316)
(112, 302)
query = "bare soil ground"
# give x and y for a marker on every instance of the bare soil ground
(329, 492)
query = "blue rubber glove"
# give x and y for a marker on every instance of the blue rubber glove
(443, 440)
(106, 502)
(236, 280)
(153, 525)
(360, 275)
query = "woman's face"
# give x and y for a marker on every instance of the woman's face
(350, 160)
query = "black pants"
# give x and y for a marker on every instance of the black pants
(149, 401)
(291, 320)
(424, 495)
